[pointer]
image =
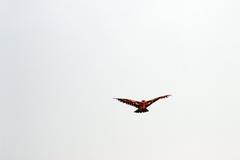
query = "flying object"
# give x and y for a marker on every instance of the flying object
(141, 105)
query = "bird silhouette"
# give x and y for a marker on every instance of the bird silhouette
(143, 105)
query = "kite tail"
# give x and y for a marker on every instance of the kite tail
(141, 110)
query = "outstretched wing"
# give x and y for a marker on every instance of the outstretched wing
(129, 102)
(148, 103)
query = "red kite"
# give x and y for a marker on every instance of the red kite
(141, 106)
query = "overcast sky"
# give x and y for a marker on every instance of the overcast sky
(62, 62)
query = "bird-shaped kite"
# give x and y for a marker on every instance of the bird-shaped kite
(141, 106)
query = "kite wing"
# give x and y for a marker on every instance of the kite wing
(155, 99)
(129, 102)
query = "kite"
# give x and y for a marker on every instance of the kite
(141, 106)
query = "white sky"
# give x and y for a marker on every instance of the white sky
(63, 61)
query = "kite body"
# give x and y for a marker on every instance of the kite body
(141, 105)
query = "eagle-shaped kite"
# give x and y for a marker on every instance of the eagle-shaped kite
(141, 106)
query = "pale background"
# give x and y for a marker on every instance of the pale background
(62, 62)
